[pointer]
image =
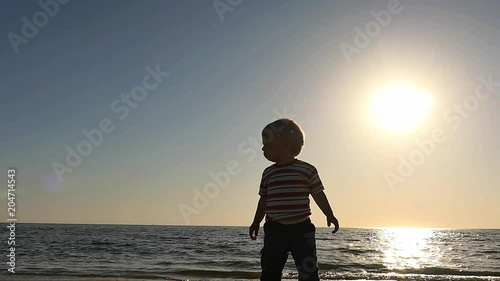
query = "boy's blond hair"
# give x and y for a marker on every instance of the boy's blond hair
(288, 130)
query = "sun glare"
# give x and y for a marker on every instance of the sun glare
(409, 248)
(400, 107)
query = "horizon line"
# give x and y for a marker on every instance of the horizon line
(193, 225)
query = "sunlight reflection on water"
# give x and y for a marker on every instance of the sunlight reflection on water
(409, 248)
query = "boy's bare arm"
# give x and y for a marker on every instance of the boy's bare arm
(322, 201)
(324, 205)
(261, 210)
(259, 215)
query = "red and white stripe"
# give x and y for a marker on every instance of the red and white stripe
(287, 190)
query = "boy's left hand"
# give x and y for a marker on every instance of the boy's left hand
(254, 231)
(335, 221)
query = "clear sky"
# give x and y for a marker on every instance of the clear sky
(227, 71)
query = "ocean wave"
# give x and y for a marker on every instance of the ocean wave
(102, 243)
(163, 263)
(446, 271)
(200, 273)
(396, 276)
(356, 251)
(53, 275)
(490, 252)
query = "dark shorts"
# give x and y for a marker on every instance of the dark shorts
(299, 240)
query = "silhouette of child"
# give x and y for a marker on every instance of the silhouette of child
(284, 201)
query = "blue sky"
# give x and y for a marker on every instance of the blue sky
(228, 79)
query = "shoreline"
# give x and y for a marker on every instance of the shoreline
(22, 277)
(60, 278)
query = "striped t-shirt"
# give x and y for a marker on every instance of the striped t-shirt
(287, 190)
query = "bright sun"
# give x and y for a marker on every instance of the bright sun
(400, 107)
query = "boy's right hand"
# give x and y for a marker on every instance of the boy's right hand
(254, 230)
(333, 220)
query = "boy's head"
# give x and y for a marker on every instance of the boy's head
(282, 139)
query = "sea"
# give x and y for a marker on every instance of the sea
(158, 252)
